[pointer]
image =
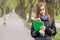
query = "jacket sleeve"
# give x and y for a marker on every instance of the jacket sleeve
(51, 30)
(34, 34)
(53, 27)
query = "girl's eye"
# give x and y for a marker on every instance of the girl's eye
(41, 9)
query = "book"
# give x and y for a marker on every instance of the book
(37, 25)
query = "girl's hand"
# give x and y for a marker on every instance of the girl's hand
(38, 19)
(43, 28)
(41, 32)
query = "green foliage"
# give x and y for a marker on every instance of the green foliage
(11, 4)
(26, 2)
(0, 13)
(59, 11)
(57, 37)
(57, 19)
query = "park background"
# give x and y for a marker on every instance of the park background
(26, 9)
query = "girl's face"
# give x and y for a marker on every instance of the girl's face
(42, 10)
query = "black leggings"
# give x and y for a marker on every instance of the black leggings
(43, 38)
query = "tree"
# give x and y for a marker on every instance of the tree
(57, 7)
(2, 6)
(20, 9)
(41, 0)
(51, 7)
(30, 12)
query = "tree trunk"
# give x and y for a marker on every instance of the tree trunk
(30, 12)
(51, 7)
(20, 9)
(41, 0)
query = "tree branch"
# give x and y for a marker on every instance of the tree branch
(28, 4)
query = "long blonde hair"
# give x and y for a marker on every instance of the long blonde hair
(46, 10)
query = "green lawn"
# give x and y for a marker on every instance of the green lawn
(57, 37)
(0, 13)
(57, 19)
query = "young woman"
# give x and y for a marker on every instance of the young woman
(49, 28)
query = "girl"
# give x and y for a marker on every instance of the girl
(49, 28)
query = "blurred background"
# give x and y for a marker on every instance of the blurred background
(26, 9)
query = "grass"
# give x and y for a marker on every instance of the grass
(0, 13)
(57, 19)
(28, 24)
(57, 37)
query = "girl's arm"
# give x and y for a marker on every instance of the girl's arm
(51, 30)
(53, 27)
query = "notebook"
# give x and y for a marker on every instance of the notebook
(37, 25)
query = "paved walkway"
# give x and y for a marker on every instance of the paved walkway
(14, 28)
(57, 25)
